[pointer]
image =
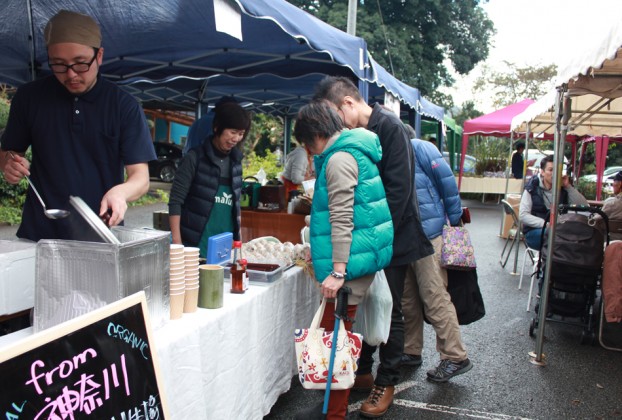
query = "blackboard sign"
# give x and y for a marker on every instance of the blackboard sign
(98, 366)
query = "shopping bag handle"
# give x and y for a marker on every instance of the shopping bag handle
(341, 310)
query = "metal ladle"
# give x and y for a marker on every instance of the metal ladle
(51, 213)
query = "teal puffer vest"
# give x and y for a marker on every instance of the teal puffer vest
(372, 237)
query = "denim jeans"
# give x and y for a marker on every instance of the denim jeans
(533, 238)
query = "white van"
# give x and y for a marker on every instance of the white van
(535, 156)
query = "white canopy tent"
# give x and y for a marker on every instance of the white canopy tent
(594, 80)
(587, 101)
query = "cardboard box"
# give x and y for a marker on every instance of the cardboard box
(76, 277)
(514, 200)
(17, 276)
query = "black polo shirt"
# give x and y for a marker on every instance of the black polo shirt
(80, 145)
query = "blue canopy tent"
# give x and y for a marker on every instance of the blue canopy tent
(159, 40)
(269, 93)
(265, 42)
(265, 93)
(416, 105)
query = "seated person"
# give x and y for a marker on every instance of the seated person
(612, 206)
(298, 168)
(537, 199)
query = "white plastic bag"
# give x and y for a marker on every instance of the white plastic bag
(373, 315)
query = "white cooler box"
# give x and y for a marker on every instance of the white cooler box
(76, 277)
(17, 276)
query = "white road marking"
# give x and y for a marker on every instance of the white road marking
(440, 408)
(456, 410)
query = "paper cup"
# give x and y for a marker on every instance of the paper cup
(189, 250)
(177, 249)
(211, 281)
(177, 304)
(191, 297)
(191, 263)
(177, 260)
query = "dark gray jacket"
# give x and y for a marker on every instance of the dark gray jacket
(397, 170)
(194, 190)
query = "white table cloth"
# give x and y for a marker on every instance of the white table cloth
(234, 362)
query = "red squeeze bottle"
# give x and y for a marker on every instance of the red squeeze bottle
(238, 269)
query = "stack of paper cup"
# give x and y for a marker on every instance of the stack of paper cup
(177, 280)
(191, 264)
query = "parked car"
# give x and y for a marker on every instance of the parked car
(469, 163)
(164, 167)
(611, 171)
(534, 158)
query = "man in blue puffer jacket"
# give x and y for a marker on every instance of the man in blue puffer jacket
(426, 280)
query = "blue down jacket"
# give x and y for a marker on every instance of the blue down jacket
(437, 191)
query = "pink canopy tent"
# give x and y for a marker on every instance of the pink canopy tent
(496, 124)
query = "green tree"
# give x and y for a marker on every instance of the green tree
(513, 83)
(266, 133)
(420, 35)
(467, 112)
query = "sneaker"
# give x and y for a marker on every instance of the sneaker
(448, 369)
(378, 401)
(411, 360)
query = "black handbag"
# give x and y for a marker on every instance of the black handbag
(465, 295)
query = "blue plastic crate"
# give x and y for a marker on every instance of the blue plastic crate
(219, 248)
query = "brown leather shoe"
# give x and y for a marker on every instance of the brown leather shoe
(363, 382)
(378, 402)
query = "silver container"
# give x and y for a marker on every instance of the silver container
(76, 277)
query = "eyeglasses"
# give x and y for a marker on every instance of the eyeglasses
(75, 67)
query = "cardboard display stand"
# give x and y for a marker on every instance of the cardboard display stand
(99, 365)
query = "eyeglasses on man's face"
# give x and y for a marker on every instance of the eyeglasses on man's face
(75, 67)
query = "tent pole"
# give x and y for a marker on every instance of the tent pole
(287, 135)
(522, 188)
(440, 139)
(562, 115)
(418, 120)
(32, 40)
(519, 227)
(412, 122)
(529, 134)
(507, 183)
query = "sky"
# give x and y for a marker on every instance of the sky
(536, 33)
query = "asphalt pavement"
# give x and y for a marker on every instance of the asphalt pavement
(578, 381)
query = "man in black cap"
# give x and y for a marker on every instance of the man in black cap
(518, 161)
(612, 206)
(88, 137)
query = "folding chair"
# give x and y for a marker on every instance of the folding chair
(514, 236)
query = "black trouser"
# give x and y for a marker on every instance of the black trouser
(391, 352)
